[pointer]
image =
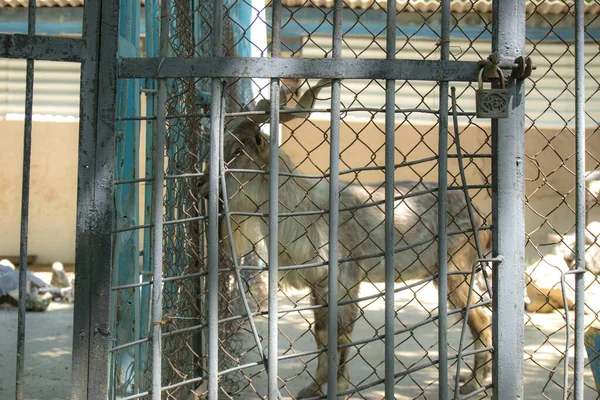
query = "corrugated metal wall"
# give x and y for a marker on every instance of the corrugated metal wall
(56, 90)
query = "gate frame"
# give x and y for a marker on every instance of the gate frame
(508, 185)
(97, 50)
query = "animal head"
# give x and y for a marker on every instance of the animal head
(245, 146)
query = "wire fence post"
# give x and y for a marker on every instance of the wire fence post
(508, 42)
(442, 209)
(580, 200)
(273, 285)
(390, 150)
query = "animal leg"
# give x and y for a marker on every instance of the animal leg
(480, 327)
(346, 318)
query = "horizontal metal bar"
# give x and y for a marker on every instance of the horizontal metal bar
(476, 392)
(165, 279)
(150, 179)
(264, 67)
(172, 222)
(50, 48)
(132, 228)
(168, 116)
(374, 110)
(126, 345)
(361, 169)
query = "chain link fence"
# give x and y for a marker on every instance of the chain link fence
(305, 146)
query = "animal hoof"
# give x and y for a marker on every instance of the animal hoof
(309, 391)
(468, 383)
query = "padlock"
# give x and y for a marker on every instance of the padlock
(491, 103)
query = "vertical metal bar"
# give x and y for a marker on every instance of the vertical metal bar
(272, 368)
(390, 148)
(157, 209)
(85, 239)
(95, 199)
(20, 372)
(442, 210)
(157, 238)
(213, 203)
(508, 42)
(580, 198)
(334, 192)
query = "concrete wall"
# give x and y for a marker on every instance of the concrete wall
(54, 175)
(53, 193)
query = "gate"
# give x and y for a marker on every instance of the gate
(206, 295)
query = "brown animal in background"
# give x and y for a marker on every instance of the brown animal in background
(304, 238)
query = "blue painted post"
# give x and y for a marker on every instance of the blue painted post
(592, 345)
(152, 26)
(126, 246)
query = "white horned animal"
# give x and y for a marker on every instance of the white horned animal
(303, 238)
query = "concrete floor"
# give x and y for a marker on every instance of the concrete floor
(48, 351)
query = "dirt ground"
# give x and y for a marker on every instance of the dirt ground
(48, 351)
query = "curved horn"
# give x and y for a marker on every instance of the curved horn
(307, 101)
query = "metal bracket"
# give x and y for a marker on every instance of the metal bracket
(520, 69)
(523, 68)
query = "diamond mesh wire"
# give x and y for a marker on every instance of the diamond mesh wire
(549, 191)
(550, 123)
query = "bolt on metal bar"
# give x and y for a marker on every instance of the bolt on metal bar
(334, 193)
(508, 42)
(25, 185)
(213, 211)
(273, 283)
(442, 210)
(157, 211)
(390, 169)
(579, 201)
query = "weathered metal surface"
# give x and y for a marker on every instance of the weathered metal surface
(253, 67)
(50, 48)
(508, 210)
(93, 259)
